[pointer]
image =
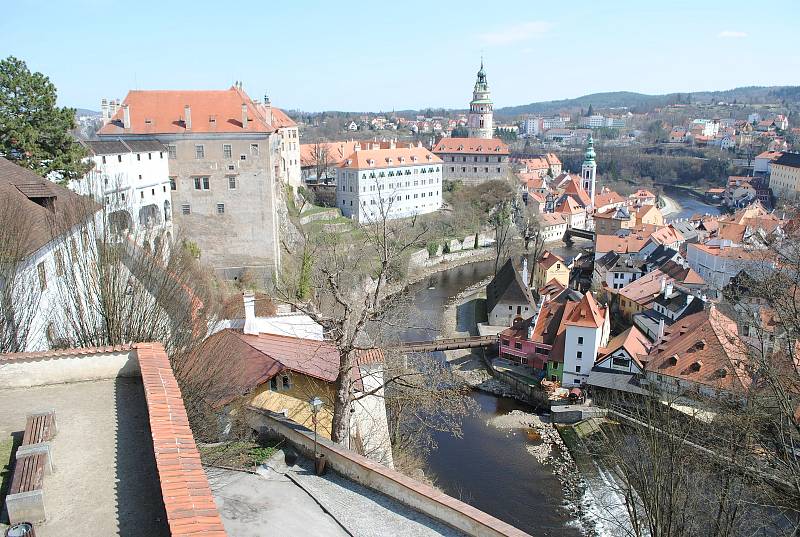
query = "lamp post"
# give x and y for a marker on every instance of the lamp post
(316, 406)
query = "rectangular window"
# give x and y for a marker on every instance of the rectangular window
(173, 185)
(577, 369)
(220, 208)
(186, 208)
(620, 362)
(59, 262)
(199, 152)
(505, 342)
(287, 383)
(273, 384)
(579, 355)
(517, 345)
(231, 182)
(580, 340)
(242, 157)
(138, 156)
(42, 275)
(254, 149)
(227, 152)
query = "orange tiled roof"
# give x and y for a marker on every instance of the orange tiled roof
(704, 348)
(389, 158)
(587, 312)
(608, 198)
(187, 497)
(569, 206)
(574, 189)
(644, 290)
(552, 219)
(630, 243)
(162, 112)
(632, 340)
(469, 146)
(548, 259)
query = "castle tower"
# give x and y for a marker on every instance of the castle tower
(589, 170)
(479, 121)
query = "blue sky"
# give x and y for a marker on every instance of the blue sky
(353, 55)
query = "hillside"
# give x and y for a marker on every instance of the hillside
(643, 102)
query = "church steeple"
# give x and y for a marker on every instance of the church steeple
(479, 121)
(589, 170)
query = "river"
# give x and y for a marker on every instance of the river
(488, 467)
(689, 204)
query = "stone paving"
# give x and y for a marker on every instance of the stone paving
(366, 513)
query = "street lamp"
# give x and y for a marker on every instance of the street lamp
(316, 406)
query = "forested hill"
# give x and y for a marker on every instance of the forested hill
(640, 102)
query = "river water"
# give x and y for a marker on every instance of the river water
(488, 467)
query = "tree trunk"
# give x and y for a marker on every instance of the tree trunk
(340, 426)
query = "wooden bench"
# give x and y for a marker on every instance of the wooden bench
(39, 428)
(25, 499)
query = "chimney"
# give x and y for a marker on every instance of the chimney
(668, 289)
(663, 283)
(104, 111)
(187, 116)
(244, 115)
(660, 333)
(126, 116)
(249, 313)
(392, 144)
(530, 331)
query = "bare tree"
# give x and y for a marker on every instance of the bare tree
(502, 224)
(321, 161)
(350, 283)
(20, 290)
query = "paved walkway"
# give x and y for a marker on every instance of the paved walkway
(290, 501)
(366, 513)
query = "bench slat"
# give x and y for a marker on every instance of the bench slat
(39, 428)
(28, 474)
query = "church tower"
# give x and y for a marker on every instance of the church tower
(479, 121)
(589, 170)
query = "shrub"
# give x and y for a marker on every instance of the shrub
(433, 248)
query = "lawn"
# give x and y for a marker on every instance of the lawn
(6, 449)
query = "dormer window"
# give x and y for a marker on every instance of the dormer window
(212, 120)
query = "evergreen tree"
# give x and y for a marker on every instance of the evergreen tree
(34, 132)
(590, 112)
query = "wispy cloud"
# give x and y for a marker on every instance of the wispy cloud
(522, 31)
(731, 34)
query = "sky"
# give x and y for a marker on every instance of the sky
(407, 54)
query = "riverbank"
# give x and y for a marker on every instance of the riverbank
(670, 206)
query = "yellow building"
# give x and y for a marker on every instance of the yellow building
(649, 214)
(273, 372)
(550, 267)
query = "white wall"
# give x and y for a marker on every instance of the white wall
(359, 193)
(55, 369)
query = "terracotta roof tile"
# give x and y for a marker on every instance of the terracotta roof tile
(470, 146)
(187, 496)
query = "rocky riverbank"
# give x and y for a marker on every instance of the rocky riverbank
(547, 447)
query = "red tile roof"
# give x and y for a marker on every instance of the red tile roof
(575, 190)
(632, 340)
(644, 290)
(190, 507)
(389, 158)
(548, 259)
(630, 243)
(470, 146)
(704, 348)
(551, 219)
(587, 313)
(569, 206)
(608, 198)
(162, 112)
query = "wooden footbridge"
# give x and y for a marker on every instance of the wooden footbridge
(448, 344)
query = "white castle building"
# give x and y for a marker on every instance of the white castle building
(388, 180)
